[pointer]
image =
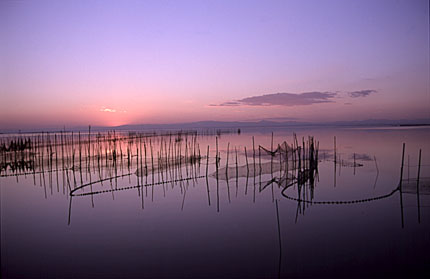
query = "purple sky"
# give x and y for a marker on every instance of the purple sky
(120, 62)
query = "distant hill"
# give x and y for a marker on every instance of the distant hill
(266, 123)
(201, 125)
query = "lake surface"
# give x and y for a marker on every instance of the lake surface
(115, 213)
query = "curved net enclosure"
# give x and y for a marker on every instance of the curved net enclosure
(289, 161)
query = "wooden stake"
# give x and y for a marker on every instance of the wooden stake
(207, 162)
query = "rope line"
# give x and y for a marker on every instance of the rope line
(35, 172)
(340, 202)
(131, 187)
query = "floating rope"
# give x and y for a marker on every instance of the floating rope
(340, 202)
(131, 187)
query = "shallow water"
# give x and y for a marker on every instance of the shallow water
(133, 226)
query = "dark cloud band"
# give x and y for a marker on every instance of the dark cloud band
(361, 93)
(284, 99)
(290, 99)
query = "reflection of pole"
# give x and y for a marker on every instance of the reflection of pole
(255, 172)
(400, 186)
(70, 211)
(228, 191)
(376, 164)
(401, 169)
(279, 237)
(207, 188)
(408, 166)
(286, 162)
(418, 187)
(217, 181)
(354, 163)
(334, 171)
(377, 172)
(217, 192)
(246, 186)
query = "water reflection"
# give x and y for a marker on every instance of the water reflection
(171, 159)
(230, 175)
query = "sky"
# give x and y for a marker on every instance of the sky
(133, 62)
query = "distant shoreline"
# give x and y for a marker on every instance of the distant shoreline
(215, 125)
(413, 125)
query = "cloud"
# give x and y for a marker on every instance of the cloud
(111, 110)
(107, 110)
(281, 118)
(291, 99)
(283, 99)
(361, 93)
(229, 104)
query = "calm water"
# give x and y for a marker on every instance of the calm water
(243, 227)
